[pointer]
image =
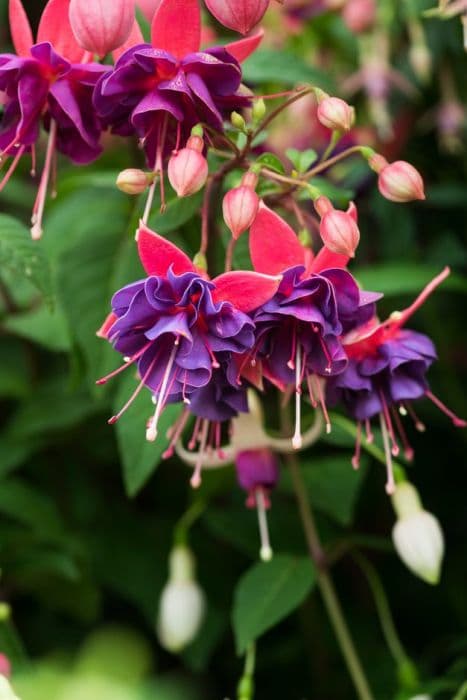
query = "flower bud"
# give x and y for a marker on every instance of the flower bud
(338, 229)
(101, 26)
(259, 110)
(335, 114)
(188, 168)
(398, 181)
(359, 15)
(238, 121)
(239, 15)
(133, 181)
(182, 604)
(417, 534)
(240, 205)
(6, 691)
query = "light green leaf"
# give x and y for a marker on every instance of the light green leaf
(302, 160)
(43, 326)
(139, 457)
(400, 278)
(272, 162)
(177, 212)
(267, 593)
(284, 67)
(20, 254)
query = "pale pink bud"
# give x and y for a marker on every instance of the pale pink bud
(133, 181)
(187, 170)
(240, 205)
(359, 15)
(338, 229)
(101, 26)
(335, 114)
(239, 15)
(148, 8)
(398, 181)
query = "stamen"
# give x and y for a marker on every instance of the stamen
(115, 418)
(33, 160)
(408, 449)
(403, 316)
(195, 434)
(12, 167)
(324, 348)
(128, 362)
(419, 425)
(387, 416)
(175, 432)
(458, 422)
(390, 483)
(185, 398)
(151, 432)
(369, 434)
(322, 402)
(358, 446)
(150, 199)
(195, 480)
(402, 410)
(313, 401)
(291, 362)
(297, 438)
(265, 552)
(39, 204)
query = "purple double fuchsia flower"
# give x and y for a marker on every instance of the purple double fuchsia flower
(49, 84)
(159, 91)
(387, 371)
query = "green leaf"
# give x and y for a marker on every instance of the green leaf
(30, 507)
(400, 278)
(22, 255)
(284, 67)
(267, 593)
(272, 162)
(340, 196)
(139, 457)
(43, 326)
(177, 212)
(302, 160)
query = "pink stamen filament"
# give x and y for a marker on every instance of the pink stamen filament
(358, 446)
(423, 296)
(408, 449)
(39, 204)
(12, 167)
(291, 362)
(151, 432)
(115, 418)
(387, 417)
(458, 422)
(322, 402)
(175, 432)
(369, 434)
(196, 478)
(33, 160)
(297, 438)
(390, 483)
(195, 434)
(419, 425)
(313, 400)
(324, 348)
(123, 367)
(265, 552)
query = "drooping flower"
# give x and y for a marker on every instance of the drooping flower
(47, 84)
(183, 330)
(159, 91)
(299, 328)
(386, 371)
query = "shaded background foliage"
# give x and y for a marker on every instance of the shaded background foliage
(78, 554)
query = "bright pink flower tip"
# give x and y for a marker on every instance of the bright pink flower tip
(240, 207)
(187, 171)
(359, 15)
(157, 254)
(239, 15)
(401, 182)
(339, 233)
(101, 26)
(335, 114)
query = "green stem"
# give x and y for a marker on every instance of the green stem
(187, 520)
(326, 585)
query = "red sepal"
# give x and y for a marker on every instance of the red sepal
(274, 246)
(158, 254)
(176, 27)
(55, 27)
(103, 331)
(326, 260)
(249, 370)
(243, 48)
(245, 290)
(20, 29)
(136, 37)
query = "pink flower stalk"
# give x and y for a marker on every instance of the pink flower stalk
(240, 205)
(239, 15)
(398, 181)
(338, 229)
(335, 114)
(101, 26)
(188, 168)
(359, 15)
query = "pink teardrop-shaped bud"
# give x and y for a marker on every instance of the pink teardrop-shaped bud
(188, 169)
(359, 15)
(398, 181)
(133, 181)
(101, 26)
(240, 205)
(335, 114)
(239, 15)
(338, 229)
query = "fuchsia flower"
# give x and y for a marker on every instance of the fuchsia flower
(51, 84)
(183, 332)
(188, 168)
(159, 91)
(102, 25)
(299, 328)
(387, 371)
(239, 15)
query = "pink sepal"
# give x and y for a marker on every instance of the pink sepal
(176, 27)
(158, 254)
(136, 37)
(20, 29)
(245, 290)
(326, 259)
(243, 48)
(274, 246)
(103, 331)
(353, 211)
(55, 27)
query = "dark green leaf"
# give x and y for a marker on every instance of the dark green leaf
(271, 66)
(400, 278)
